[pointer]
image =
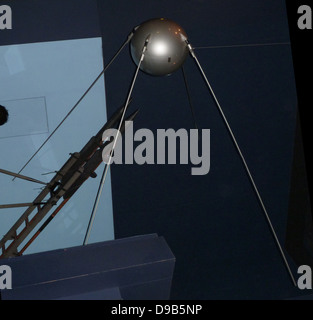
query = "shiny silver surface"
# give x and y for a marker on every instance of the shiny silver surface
(167, 49)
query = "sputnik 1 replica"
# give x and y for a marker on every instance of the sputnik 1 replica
(159, 47)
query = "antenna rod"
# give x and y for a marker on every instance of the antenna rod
(80, 99)
(243, 161)
(113, 147)
(189, 99)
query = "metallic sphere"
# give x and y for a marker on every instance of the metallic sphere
(166, 50)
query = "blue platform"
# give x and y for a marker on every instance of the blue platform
(134, 268)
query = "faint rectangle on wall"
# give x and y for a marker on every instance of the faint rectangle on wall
(26, 117)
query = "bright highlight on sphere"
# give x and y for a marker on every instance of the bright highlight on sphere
(160, 48)
(166, 50)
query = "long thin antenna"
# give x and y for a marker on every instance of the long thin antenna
(243, 161)
(79, 101)
(95, 205)
(93, 214)
(189, 98)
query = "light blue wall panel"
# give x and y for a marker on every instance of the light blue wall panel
(39, 84)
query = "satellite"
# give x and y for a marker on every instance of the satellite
(159, 47)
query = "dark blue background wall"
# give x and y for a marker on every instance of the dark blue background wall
(214, 223)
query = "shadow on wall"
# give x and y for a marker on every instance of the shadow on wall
(4, 115)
